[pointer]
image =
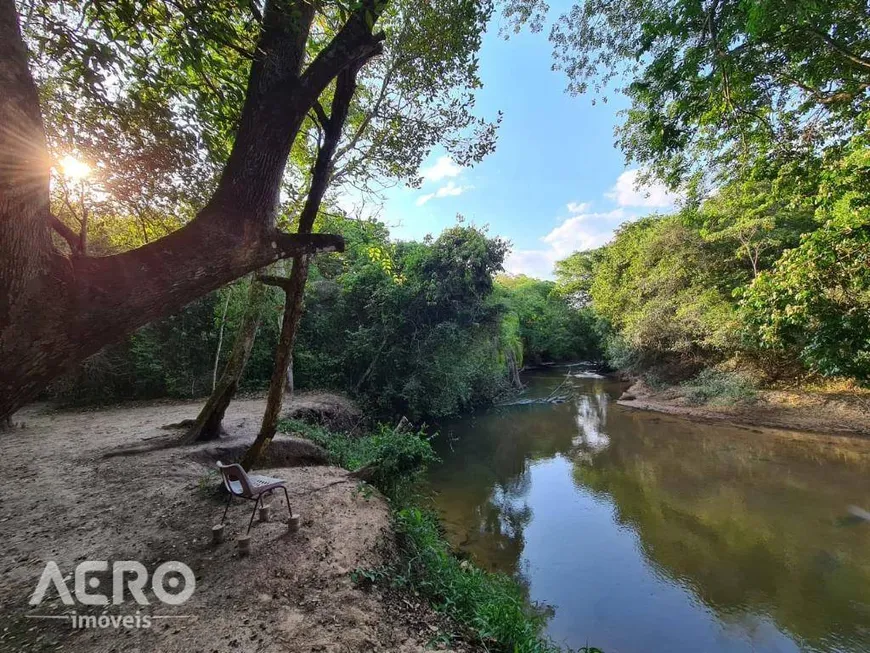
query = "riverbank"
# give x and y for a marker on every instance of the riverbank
(829, 412)
(98, 485)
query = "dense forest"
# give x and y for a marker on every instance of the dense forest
(190, 195)
(753, 114)
(761, 125)
(756, 277)
(423, 329)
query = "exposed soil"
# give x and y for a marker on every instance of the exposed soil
(841, 413)
(333, 411)
(79, 486)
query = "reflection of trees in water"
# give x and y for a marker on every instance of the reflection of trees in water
(748, 520)
(591, 416)
(490, 519)
(502, 520)
(513, 513)
(485, 478)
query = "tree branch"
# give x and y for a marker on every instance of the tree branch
(71, 237)
(274, 280)
(159, 278)
(56, 311)
(279, 97)
(840, 49)
(344, 89)
(321, 114)
(388, 77)
(354, 41)
(826, 98)
(255, 10)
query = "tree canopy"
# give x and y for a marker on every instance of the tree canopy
(711, 80)
(757, 112)
(188, 114)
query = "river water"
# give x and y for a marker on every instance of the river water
(645, 532)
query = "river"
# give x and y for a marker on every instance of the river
(644, 532)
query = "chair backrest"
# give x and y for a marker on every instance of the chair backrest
(235, 479)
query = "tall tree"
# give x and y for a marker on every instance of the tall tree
(56, 309)
(384, 118)
(755, 220)
(294, 286)
(207, 425)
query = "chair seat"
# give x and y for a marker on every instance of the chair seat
(259, 484)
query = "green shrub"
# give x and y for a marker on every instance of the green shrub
(716, 387)
(620, 355)
(395, 459)
(814, 305)
(491, 606)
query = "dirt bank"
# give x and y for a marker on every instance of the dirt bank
(65, 500)
(839, 413)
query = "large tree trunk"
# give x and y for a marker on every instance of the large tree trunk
(294, 287)
(56, 310)
(208, 423)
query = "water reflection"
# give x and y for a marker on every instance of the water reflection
(649, 533)
(591, 417)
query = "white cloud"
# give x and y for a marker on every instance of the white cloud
(626, 192)
(451, 189)
(531, 262)
(578, 207)
(579, 232)
(443, 168)
(585, 231)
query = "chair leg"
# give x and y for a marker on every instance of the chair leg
(287, 496)
(256, 504)
(229, 500)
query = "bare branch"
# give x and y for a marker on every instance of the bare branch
(274, 280)
(321, 114)
(71, 237)
(388, 77)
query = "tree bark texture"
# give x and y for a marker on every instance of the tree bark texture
(208, 423)
(55, 309)
(294, 287)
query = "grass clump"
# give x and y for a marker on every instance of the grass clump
(720, 388)
(487, 607)
(393, 460)
(492, 607)
(209, 486)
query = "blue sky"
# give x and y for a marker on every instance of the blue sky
(555, 183)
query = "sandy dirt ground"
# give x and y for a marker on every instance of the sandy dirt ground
(64, 500)
(798, 411)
